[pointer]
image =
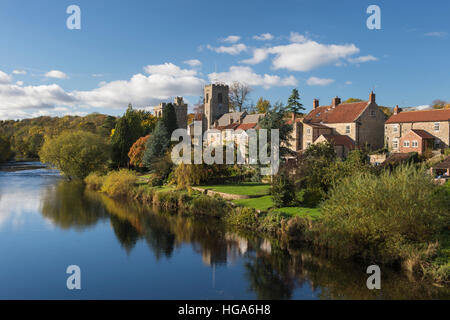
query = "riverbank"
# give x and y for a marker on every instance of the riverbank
(298, 228)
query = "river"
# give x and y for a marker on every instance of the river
(127, 251)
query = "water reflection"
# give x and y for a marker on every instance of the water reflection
(270, 270)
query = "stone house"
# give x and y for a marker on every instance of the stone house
(346, 125)
(431, 125)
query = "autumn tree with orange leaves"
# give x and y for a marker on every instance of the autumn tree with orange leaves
(137, 152)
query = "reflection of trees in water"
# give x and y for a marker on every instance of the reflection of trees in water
(65, 205)
(125, 232)
(272, 271)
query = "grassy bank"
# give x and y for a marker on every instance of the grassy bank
(398, 218)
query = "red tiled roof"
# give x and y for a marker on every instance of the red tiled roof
(423, 134)
(229, 126)
(317, 125)
(340, 140)
(420, 116)
(246, 126)
(443, 165)
(342, 113)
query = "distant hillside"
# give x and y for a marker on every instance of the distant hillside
(27, 136)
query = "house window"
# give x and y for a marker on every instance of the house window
(436, 126)
(373, 113)
(395, 128)
(414, 144)
(207, 98)
(437, 143)
(347, 129)
(308, 131)
(395, 144)
(406, 143)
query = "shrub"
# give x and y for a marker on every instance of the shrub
(243, 217)
(387, 218)
(209, 206)
(271, 223)
(76, 154)
(282, 190)
(297, 230)
(166, 200)
(94, 181)
(119, 183)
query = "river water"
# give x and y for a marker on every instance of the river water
(126, 251)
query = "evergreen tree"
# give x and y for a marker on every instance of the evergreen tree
(294, 104)
(169, 118)
(274, 119)
(157, 145)
(128, 130)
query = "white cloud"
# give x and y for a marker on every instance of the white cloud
(348, 83)
(56, 74)
(4, 78)
(19, 83)
(259, 55)
(263, 37)
(20, 72)
(438, 34)
(162, 82)
(193, 63)
(297, 37)
(235, 49)
(248, 76)
(309, 55)
(304, 56)
(231, 39)
(169, 69)
(362, 59)
(314, 81)
(97, 75)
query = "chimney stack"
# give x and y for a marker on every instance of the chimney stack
(397, 110)
(335, 102)
(372, 97)
(315, 103)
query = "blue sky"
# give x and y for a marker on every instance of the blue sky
(145, 52)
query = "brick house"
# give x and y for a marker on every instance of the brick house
(361, 124)
(416, 140)
(434, 124)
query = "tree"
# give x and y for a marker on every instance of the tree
(440, 104)
(157, 145)
(76, 153)
(262, 106)
(169, 118)
(137, 150)
(274, 119)
(294, 104)
(5, 150)
(128, 130)
(352, 100)
(282, 190)
(238, 95)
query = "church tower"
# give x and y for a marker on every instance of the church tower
(216, 102)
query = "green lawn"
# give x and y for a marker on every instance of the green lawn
(244, 189)
(265, 203)
(262, 203)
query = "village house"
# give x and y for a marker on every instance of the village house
(417, 131)
(345, 125)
